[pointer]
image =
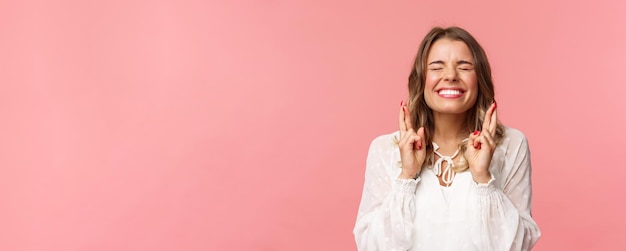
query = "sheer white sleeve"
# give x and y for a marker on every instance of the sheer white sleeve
(501, 215)
(387, 210)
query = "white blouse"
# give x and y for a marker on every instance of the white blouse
(399, 214)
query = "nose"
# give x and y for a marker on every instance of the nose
(450, 74)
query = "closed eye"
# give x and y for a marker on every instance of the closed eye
(436, 65)
(465, 65)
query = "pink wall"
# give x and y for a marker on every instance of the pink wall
(244, 125)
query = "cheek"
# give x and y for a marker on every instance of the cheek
(472, 85)
(431, 80)
(471, 82)
(429, 84)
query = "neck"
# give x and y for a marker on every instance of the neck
(450, 129)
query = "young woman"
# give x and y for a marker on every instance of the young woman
(452, 177)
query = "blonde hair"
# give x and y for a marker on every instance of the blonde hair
(422, 114)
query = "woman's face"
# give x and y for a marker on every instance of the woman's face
(451, 85)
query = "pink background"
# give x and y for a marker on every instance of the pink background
(244, 125)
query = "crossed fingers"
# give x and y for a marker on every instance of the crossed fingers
(490, 123)
(405, 125)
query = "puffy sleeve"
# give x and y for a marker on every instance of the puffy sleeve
(387, 210)
(500, 216)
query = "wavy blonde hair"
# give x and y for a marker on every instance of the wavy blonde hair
(422, 114)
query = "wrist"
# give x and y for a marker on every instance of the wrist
(408, 175)
(481, 178)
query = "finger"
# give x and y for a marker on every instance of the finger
(472, 142)
(485, 140)
(420, 138)
(487, 119)
(407, 119)
(475, 143)
(406, 135)
(488, 139)
(494, 122)
(475, 139)
(401, 124)
(408, 141)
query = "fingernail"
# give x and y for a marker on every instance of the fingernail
(495, 104)
(401, 102)
(476, 132)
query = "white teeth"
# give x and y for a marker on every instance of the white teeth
(450, 92)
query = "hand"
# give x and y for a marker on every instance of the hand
(480, 147)
(411, 144)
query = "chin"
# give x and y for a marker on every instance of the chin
(452, 110)
(458, 112)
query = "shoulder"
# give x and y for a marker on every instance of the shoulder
(385, 141)
(383, 152)
(513, 133)
(384, 146)
(515, 136)
(514, 141)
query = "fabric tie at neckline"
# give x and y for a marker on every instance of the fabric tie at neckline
(448, 175)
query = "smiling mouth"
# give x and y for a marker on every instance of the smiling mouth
(450, 93)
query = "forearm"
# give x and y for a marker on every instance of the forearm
(389, 225)
(497, 224)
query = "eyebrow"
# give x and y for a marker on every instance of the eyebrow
(458, 62)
